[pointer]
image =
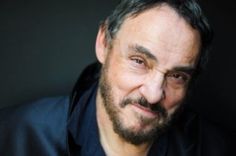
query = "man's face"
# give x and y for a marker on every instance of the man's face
(145, 74)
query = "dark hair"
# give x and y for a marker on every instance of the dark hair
(188, 9)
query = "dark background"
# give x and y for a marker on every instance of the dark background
(44, 45)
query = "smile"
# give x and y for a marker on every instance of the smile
(145, 111)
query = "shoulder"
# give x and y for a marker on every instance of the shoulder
(211, 137)
(42, 110)
(215, 138)
(195, 135)
(38, 128)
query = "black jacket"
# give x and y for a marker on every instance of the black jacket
(43, 127)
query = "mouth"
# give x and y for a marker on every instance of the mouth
(145, 111)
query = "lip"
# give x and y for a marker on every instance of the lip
(145, 111)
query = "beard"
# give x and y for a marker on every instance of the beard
(158, 125)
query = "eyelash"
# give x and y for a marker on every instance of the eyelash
(175, 77)
(138, 60)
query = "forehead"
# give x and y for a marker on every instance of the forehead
(162, 31)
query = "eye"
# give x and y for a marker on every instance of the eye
(138, 62)
(178, 78)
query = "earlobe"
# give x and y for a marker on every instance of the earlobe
(101, 47)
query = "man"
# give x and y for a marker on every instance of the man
(150, 52)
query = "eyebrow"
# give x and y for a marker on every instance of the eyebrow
(186, 69)
(142, 50)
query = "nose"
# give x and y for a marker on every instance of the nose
(153, 88)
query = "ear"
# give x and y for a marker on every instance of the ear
(101, 45)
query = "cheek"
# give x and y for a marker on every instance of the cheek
(174, 98)
(122, 79)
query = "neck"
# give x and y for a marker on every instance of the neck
(111, 142)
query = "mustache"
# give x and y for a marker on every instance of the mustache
(155, 107)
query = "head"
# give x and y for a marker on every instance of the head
(150, 51)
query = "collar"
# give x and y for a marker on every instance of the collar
(83, 128)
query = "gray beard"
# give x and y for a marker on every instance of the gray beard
(134, 137)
